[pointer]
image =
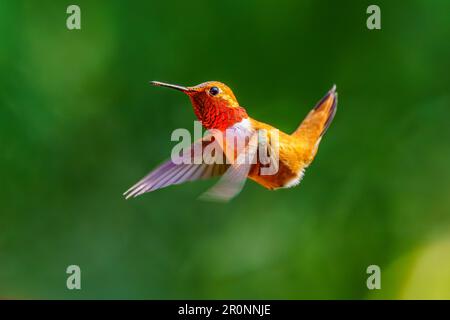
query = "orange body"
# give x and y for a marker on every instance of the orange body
(296, 150)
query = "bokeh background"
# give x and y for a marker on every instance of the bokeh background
(79, 124)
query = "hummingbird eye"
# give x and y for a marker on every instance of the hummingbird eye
(214, 91)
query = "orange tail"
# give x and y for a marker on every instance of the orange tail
(316, 123)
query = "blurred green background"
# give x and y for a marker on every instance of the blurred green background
(79, 124)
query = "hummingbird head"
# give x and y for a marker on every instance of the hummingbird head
(214, 104)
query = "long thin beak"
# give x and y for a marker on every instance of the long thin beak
(172, 86)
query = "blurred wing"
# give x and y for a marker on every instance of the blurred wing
(232, 182)
(170, 173)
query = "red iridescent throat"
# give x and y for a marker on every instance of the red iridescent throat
(217, 114)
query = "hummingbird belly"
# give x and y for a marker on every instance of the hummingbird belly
(293, 157)
(284, 178)
(292, 161)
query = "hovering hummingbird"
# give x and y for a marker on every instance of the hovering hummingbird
(217, 109)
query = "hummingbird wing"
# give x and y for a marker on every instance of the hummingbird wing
(171, 173)
(232, 182)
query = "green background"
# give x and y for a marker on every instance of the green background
(79, 124)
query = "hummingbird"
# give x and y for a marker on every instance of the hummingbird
(217, 108)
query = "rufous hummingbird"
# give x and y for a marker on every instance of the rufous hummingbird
(217, 109)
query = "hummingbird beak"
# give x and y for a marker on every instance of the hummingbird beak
(173, 86)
